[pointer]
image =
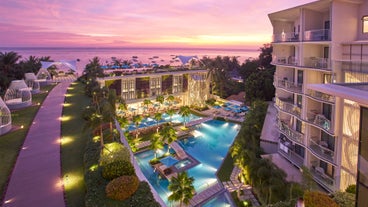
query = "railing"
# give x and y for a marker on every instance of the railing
(291, 156)
(317, 35)
(353, 66)
(322, 150)
(321, 96)
(290, 133)
(320, 120)
(290, 60)
(322, 178)
(288, 107)
(285, 37)
(317, 62)
(289, 85)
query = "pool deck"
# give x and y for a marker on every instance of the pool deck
(203, 196)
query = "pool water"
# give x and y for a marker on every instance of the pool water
(168, 161)
(209, 147)
(222, 200)
(182, 163)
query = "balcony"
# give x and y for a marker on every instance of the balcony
(322, 178)
(290, 155)
(317, 35)
(320, 121)
(286, 105)
(290, 133)
(321, 150)
(285, 37)
(318, 63)
(290, 60)
(288, 85)
(319, 96)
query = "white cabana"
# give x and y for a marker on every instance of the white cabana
(185, 59)
(43, 76)
(18, 95)
(5, 118)
(32, 82)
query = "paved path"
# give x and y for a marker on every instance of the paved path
(36, 178)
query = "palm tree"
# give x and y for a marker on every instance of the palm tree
(157, 117)
(160, 99)
(182, 188)
(170, 112)
(123, 121)
(146, 102)
(156, 143)
(137, 120)
(8, 60)
(170, 99)
(168, 134)
(95, 121)
(184, 111)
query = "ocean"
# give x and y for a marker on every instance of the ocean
(161, 56)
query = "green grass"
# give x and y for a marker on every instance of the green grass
(11, 142)
(226, 168)
(74, 141)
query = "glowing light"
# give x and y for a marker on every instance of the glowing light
(71, 180)
(24, 148)
(65, 118)
(22, 127)
(70, 88)
(96, 139)
(66, 140)
(38, 103)
(93, 167)
(68, 95)
(9, 201)
(67, 104)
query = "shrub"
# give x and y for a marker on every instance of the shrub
(351, 189)
(122, 187)
(116, 169)
(114, 152)
(344, 199)
(318, 199)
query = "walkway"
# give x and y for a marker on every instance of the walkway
(206, 194)
(36, 177)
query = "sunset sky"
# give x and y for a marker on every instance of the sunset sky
(138, 23)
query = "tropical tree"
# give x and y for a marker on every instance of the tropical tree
(182, 188)
(157, 117)
(171, 113)
(94, 122)
(168, 134)
(146, 102)
(137, 120)
(32, 64)
(123, 121)
(184, 111)
(156, 144)
(160, 99)
(170, 99)
(8, 61)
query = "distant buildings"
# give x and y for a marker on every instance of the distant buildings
(320, 51)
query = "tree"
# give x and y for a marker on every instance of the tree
(156, 143)
(170, 112)
(184, 111)
(137, 120)
(160, 99)
(8, 60)
(146, 102)
(308, 182)
(182, 188)
(168, 134)
(170, 99)
(157, 117)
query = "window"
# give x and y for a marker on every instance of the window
(365, 24)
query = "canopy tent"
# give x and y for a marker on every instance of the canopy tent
(5, 118)
(186, 59)
(72, 64)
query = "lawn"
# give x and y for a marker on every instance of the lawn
(74, 140)
(11, 142)
(226, 168)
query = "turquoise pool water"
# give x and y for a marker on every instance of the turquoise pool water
(176, 118)
(209, 145)
(221, 200)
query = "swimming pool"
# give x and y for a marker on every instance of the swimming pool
(209, 147)
(221, 200)
(176, 118)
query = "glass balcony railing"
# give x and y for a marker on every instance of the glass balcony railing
(317, 62)
(290, 60)
(317, 35)
(321, 96)
(285, 37)
(290, 155)
(290, 133)
(320, 121)
(322, 178)
(321, 150)
(287, 106)
(288, 85)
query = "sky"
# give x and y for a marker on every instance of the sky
(138, 23)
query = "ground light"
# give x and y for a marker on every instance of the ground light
(66, 140)
(71, 180)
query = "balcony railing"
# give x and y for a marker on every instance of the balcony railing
(286, 37)
(289, 85)
(322, 150)
(288, 107)
(290, 132)
(317, 35)
(317, 62)
(290, 60)
(320, 120)
(353, 66)
(322, 178)
(321, 96)
(291, 155)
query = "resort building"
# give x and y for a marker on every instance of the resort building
(320, 52)
(190, 87)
